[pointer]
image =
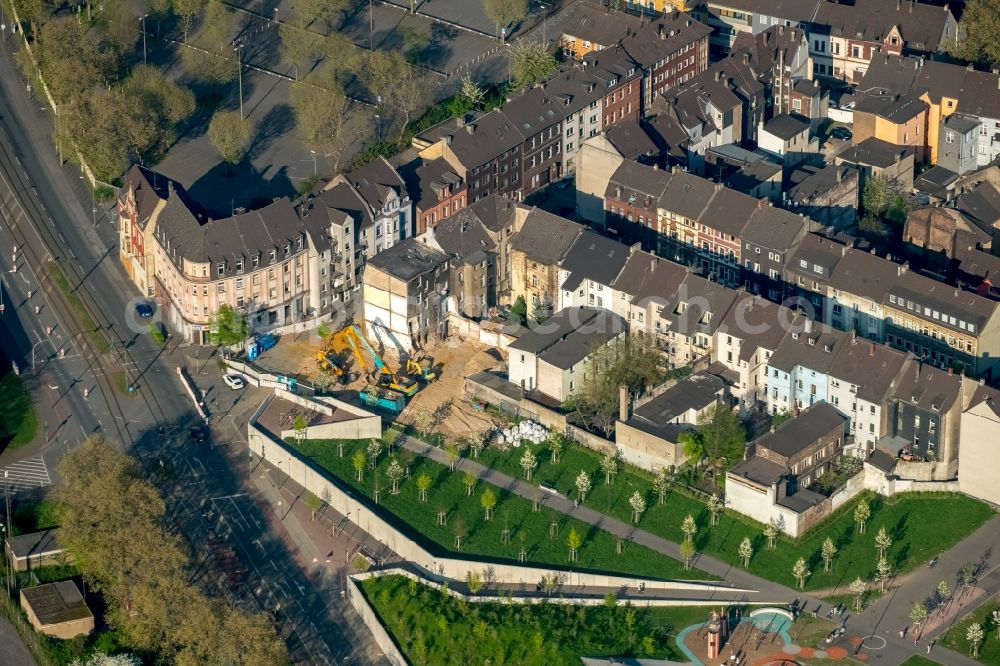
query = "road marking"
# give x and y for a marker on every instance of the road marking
(27, 474)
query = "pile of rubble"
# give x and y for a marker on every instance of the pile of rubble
(526, 430)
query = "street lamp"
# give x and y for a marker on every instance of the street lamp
(239, 65)
(142, 19)
(313, 153)
(545, 15)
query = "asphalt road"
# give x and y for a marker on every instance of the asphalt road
(45, 216)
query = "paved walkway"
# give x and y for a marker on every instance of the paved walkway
(883, 619)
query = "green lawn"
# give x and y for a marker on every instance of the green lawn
(921, 524)
(917, 660)
(989, 649)
(18, 421)
(448, 491)
(432, 628)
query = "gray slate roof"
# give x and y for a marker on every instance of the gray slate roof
(815, 349)
(570, 335)
(545, 237)
(593, 257)
(787, 125)
(872, 367)
(799, 432)
(696, 392)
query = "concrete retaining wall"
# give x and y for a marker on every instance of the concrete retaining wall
(368, 616)
(345, 502)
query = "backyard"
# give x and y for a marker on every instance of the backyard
(448, 493)
(434, 628)
(989, 648)
(920, 525)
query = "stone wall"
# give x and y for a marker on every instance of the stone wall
(345, 502)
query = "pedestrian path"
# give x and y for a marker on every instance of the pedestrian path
(26, 474)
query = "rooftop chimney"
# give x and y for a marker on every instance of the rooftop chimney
(624, 404)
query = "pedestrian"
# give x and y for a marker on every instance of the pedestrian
(902, 632)
(576, 503)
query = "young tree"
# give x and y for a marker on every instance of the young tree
(745, 552)
(230, 134)
(505, 12)
(299, 47)
(943, 591)
(858, 589)
(828, 551)
(488, 500)
(574, 541)
(451, 450)
(399, 85)
(995, 619)
(227, 327)
(458, 527)
(801, 572)
(918, 613)
(974, 634)
(326, 120)
(883, 572)
(470, 482)
(477, 441)
(374, 451)
(188, 12)
(689, 528)
(528, 462)
(395, 473)
(715, 505)
(771, 531)
(638, 504)
(358, 461)
(324, 12)
(722, 434)
(583, 485)
(300, 425)
(474, 581)
(633, 361)
(877, 195)
(609, 465)
(978, 37)
(661, 484)
(423, 485)
(861, 515)
(882, 542)
(314, 504)
(471, 93)
(555, 443)
(967, 574)
(687, 553)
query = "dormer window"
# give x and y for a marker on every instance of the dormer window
(221, 268)
(288, 249)
(298, 243)
(274, 255)
(256, 261)
(239, 266)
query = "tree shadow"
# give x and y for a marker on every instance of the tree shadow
(902, 555)
(898, 530)
(278, 121)
(223, 189)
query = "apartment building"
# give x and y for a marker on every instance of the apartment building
(845, 37)
(769, 238)
(749, 334)
(535, 253)
(730, 19)
(588, 269)
(798, 371)
(256, 262)
(687, 322)
(140, 200)
(405, 291)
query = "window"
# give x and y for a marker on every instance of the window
(855, 51)
(239, 283)
(949, 136)
(221, 268)
(797, 104)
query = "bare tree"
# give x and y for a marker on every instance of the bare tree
(505, 12)
(746, 551)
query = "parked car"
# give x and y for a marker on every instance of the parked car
(234, 381)
(848, 106)
(144, 310)
(841, 133)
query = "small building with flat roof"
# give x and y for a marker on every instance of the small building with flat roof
(57, 610)
(37, 549)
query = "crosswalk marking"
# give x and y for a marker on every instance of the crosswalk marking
(26, 474)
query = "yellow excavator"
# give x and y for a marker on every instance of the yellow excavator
(351, 338)
(421, 369)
